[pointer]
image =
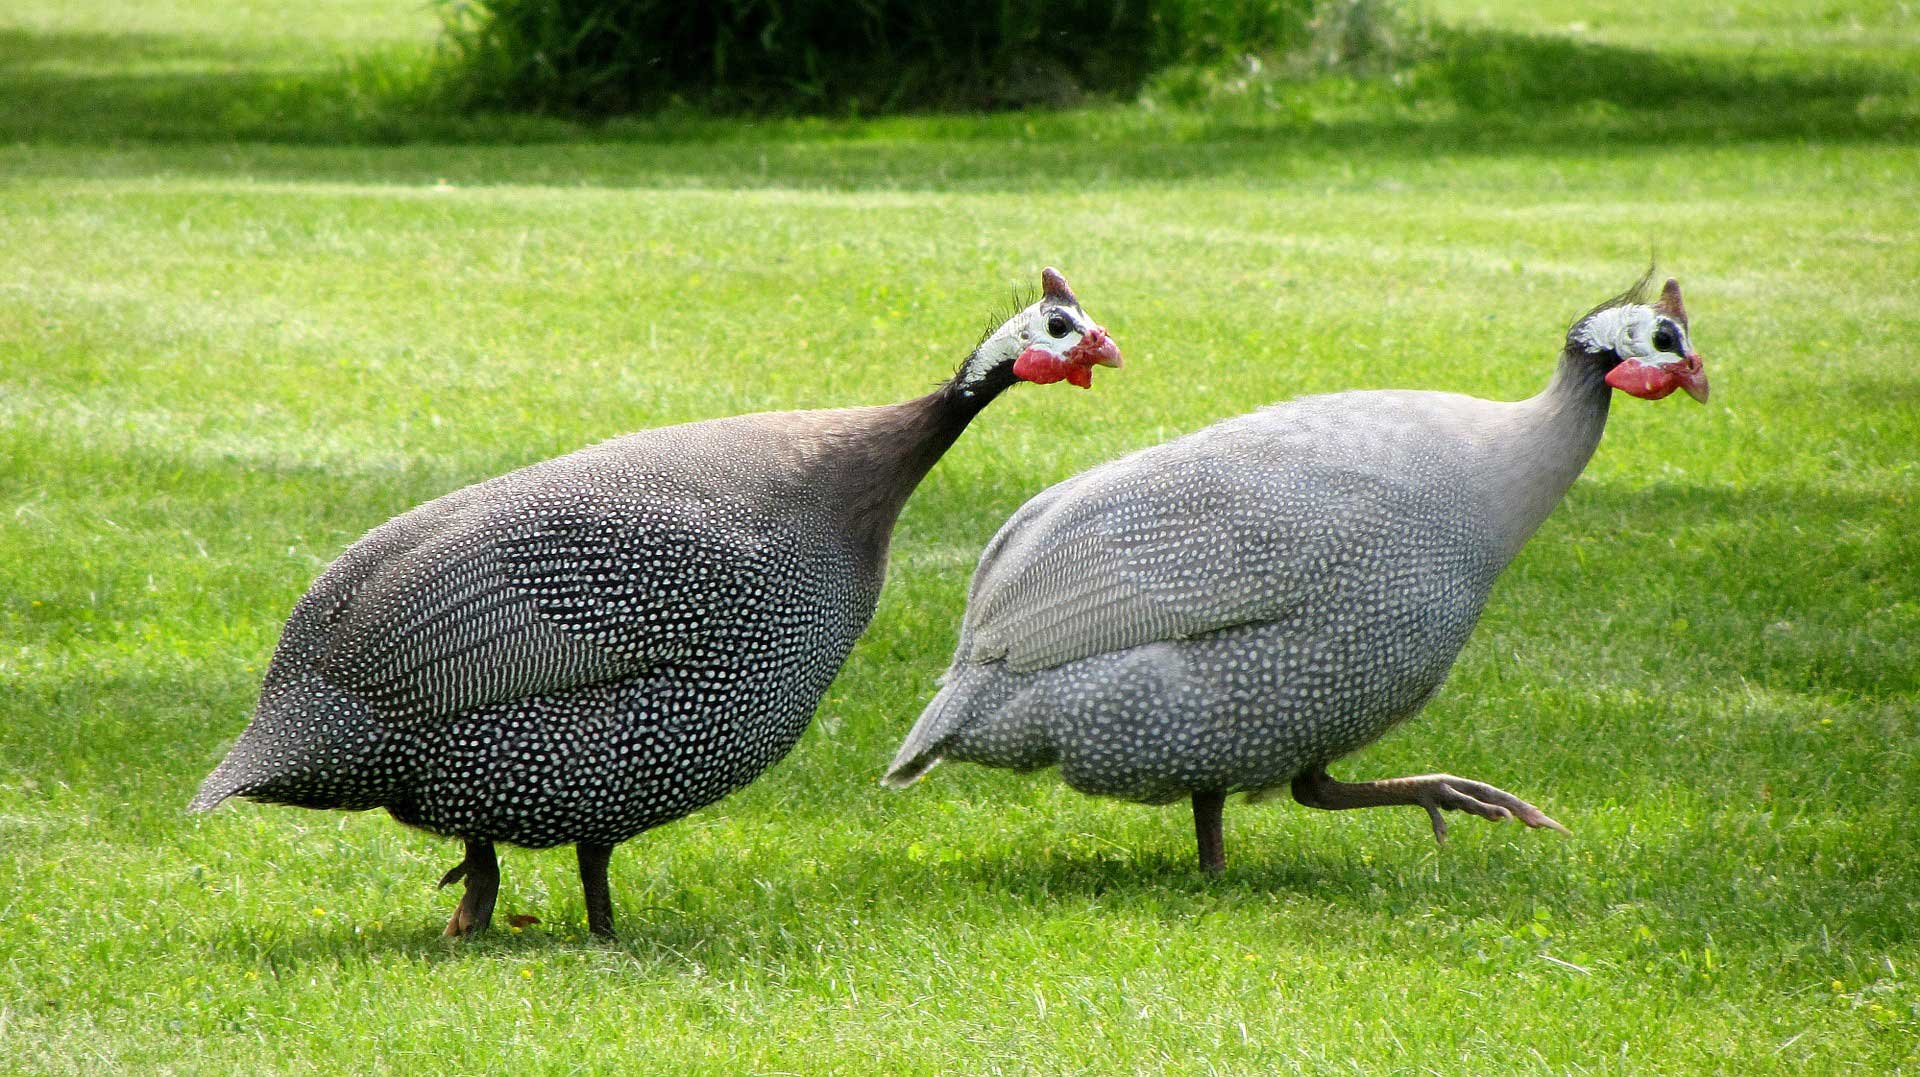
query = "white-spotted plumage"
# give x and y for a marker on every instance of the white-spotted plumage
(1233, 610)
(598, 644)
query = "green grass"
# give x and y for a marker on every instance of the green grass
(243, 319)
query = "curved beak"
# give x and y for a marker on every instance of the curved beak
(1095, 349)
(1692, 376)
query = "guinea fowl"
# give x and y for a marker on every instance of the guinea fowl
(1233, 610)
(592, 646)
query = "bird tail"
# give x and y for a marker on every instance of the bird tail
(248, 766)
(920, 752)
(903, 774)
(219, 785)
(312, 746)
(261, 766)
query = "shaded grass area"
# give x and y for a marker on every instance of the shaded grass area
(786, 57)
(1472, 87)
(228, 345)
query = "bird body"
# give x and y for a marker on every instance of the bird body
(512, 618)
(1333, 570)
(597, 644)
(1235, 609)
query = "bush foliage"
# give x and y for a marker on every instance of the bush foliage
(603, 56)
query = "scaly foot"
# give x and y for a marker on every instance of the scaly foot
(1434, 792)
(481, 870)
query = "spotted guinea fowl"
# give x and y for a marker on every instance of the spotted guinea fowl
(601, 643)
(1234, 610)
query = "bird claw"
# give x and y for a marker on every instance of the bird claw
(453, 875)
(1434, 792)
(1478, 798)
(462, 924)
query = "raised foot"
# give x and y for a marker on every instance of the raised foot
(1434, 792)
(1447, 792)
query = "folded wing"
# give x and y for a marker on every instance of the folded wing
(459, 605)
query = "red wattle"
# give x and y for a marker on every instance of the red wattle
(1039, 367)
(1042, 367)
(1642, 380)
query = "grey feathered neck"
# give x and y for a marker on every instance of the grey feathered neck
(1545, 442)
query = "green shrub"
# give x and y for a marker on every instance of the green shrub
(602, 56)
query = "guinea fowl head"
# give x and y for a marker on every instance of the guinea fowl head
(1644, 346)
(1047, 341)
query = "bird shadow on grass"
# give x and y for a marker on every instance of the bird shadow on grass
(705, 931)
(1478, 92)
(717, 922)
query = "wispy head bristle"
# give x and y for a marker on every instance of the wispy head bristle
(1018, 299)
(1641, 292)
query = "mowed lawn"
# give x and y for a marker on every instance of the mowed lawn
(245, 316)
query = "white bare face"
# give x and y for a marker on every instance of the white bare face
(1049, 326)
(1638, 332)
(1651, 352)
(1052, 340)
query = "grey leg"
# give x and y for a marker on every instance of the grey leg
(1206, 828)
(593, 882)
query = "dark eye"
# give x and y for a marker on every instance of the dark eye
(1665, 340)
(1058, 325)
